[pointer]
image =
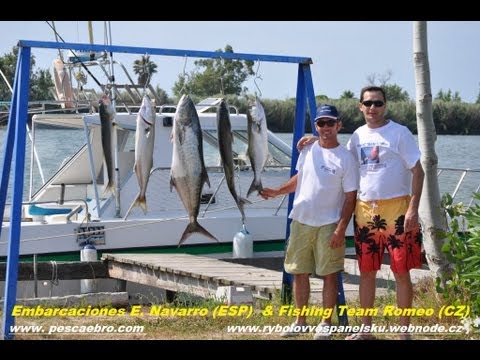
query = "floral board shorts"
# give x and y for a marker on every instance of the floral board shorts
(378, 225)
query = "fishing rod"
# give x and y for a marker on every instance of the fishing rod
(75, 55)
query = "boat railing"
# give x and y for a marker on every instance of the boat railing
(133, 90)
(473, 181)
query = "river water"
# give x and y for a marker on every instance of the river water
(453, 151)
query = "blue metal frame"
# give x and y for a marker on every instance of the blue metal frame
(16, 137)
(20, 107)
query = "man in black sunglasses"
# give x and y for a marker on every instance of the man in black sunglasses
(386, 214)
(325, 194)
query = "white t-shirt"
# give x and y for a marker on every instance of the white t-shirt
(386, 156)
(324, 176)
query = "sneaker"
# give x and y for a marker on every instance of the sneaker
(322, 332)
(294, 330)
(360, 336)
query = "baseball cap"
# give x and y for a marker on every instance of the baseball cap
(326, 111)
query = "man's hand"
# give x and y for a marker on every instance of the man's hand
(337, 239)
(268, 193)
(411, 221)
(306, 140)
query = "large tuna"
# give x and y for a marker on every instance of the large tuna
(188, 173)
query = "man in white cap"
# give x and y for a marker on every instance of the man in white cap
(325, 189)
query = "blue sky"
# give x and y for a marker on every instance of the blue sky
(344, 53)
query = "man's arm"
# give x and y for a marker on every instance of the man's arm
(411, 217)
(285, 188)
(347, 210)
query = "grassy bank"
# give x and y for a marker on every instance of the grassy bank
(198, 319)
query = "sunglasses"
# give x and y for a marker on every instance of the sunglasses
(376, 103)
(329, 123)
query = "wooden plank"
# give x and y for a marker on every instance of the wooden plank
(71, 270)
(196, 274)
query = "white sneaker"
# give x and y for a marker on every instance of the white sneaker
(295, 330)
(322, 332)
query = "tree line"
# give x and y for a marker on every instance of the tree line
(216, 77)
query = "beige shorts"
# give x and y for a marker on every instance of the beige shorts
(308, 250)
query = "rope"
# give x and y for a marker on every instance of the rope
(255, 80)
(184, 75)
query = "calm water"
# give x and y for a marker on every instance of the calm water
(54, 146)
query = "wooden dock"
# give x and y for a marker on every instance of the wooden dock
(199, 275)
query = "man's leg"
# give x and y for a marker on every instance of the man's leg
(404, 298)
(301, 294)
(329, 295)
(367, 293)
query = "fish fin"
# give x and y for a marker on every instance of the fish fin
(244, 201)
(256, 185)
(192, 228)
(205, 178)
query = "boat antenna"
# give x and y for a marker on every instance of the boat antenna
(255, 80)
(75, 55)
(60, 53)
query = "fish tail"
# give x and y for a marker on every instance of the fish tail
(240, 203)
(192, 228)
(256, 185)
(110, 188)
(139, 201)
(142, 202)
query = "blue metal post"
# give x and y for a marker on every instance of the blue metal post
(21, 97)
(299, 130)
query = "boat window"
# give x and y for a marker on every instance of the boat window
(128, 141)
(278, 156)
(55, 146)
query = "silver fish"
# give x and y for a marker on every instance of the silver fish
(257, 143)
(188, 173)
(225, 140)
(107, 114)
(144, 142)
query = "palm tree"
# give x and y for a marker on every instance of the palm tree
(144, 68)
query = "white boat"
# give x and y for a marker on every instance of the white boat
(70, 209)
